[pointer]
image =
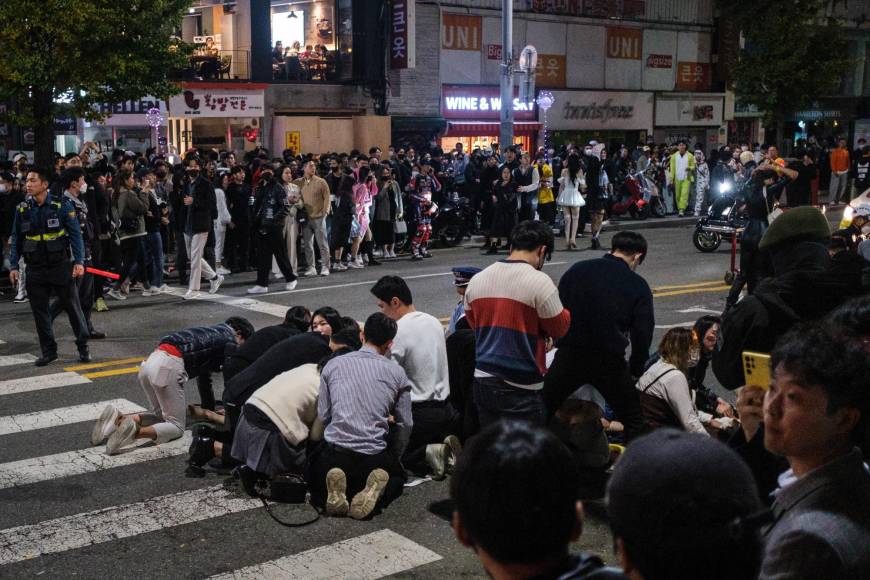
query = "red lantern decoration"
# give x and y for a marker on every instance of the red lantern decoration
(251, 134)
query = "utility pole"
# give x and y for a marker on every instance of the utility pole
(506, 126)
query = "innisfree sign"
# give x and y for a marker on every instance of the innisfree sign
(603, 110)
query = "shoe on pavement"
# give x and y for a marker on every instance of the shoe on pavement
(291, 285)
(45, 359)
(105, 425)
(84, 354)
(191, 295)
(201, 451)
(137, 287)
(324, 271)
(336, 490)
(339, 267)
(310, 272)
(124, 435)
(164, 289)
(373, 262)
(114, 293)
(258, 290)
(454, 450)
(364, 503)
(222, 271)
(101, 305)
(21, 298)
(97, 335)
(215, 283)
(355, 265)
(416, 257)
(436, 459)
(151, 292)
(427, 255)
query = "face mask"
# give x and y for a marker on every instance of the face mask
(2, 188)
(83, 189)
(865, 229)
(193, 173)
(160, 174)
(587, 151)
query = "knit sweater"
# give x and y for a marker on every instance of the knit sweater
(290, 401)
(513, 308)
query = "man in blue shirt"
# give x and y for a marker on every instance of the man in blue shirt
(45, 232)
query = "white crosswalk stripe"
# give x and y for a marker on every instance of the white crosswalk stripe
(68, 463)
(16, 359)
(38, 383)
(62, 416)
(105, 525)
(366, 557)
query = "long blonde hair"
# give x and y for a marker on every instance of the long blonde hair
(676, 347)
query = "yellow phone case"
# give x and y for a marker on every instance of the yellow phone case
(756, 369)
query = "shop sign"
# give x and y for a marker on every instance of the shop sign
(687, 111)
(293, 140)
(480, 103)
(131, 113)
(216, 103)
(746, 110)
(601, 110)
(659, 61)
(461, 32)
(693, 76)
(493, 51)
(65, 124)
(403, 49)
(624, 43)
(551, 71)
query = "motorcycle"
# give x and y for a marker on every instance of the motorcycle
(455, 220)
(723, 220)
(638, 197)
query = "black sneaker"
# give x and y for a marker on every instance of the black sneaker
(84, 354)
(45, 359)
(373, 262)
(97, 335)
(201, 451)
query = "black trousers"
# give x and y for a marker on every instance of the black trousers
(433, 421)
(237, 248)
(85, 293)
(131, 253)
(547, 212)
(42, 282)
(610, 375)
(356, 467)
(271, 243)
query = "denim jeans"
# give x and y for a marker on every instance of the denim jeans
(495, 399)
(154, 258)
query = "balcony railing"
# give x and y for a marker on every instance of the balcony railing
(223, 65)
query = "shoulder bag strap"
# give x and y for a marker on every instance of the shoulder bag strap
(654, 381)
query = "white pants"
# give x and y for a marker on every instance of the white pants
(316, 228)
(162, 377)
(199, 268)
(291, 234)
(220, 236)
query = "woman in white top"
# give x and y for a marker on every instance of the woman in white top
(572, 184)
(221, 223)
(664, 390)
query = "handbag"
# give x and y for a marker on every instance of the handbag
(400, 227)
(288, 488)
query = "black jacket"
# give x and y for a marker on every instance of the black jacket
(256, 344)
(203, 210)
(308, 347)
(611, 306)
(239, 204)
(271, 207)
(202, 347)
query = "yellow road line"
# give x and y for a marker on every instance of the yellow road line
(692, 285)
(110, 363)
(721, 288)
(112, 373)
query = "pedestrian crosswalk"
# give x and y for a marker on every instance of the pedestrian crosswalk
(40, 525)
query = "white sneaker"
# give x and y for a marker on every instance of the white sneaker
(222, 271)
(354, 264)
(105, 425)
(392, 253)
(113, 293)
(21, 298)
(258, 290)
(165, 289)
(324, 271)
(124, 435)
(215, 283)
(277, 275)
(191, 295)
(339, 267)
(291, 285)
(151, 291)
(310, 272)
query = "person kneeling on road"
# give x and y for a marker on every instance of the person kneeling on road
(365, 405)
(195, 352)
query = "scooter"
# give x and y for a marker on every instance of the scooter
(636, 194)
(723, 221)
(454, 221)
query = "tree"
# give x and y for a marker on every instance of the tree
(87, 52)
(792, 54)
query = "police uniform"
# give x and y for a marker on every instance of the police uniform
(44, 235)
(462, 275)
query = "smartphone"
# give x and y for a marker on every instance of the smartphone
(756, 369)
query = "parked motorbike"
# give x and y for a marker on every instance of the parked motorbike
(723, 220)
(638, 196)
(455, 220)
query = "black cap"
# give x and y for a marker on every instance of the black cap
(677, 490)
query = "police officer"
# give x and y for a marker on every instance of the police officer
(45, 231)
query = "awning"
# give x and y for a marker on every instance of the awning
(472, 129)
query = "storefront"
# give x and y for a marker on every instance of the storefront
(825, 119)
(692, 117)
(472, 115)
(216, 116)
(127, 127)
(613, 118)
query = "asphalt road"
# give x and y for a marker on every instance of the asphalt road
(67, 511)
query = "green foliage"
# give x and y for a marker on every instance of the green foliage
(91, 51)
(792, 55)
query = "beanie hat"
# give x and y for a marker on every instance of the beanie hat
(678, 490)
(803, 222)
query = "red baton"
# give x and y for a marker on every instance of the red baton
(102, 273)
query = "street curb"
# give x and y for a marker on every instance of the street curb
(617, 225)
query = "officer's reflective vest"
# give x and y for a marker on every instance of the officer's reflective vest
(51, 246)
